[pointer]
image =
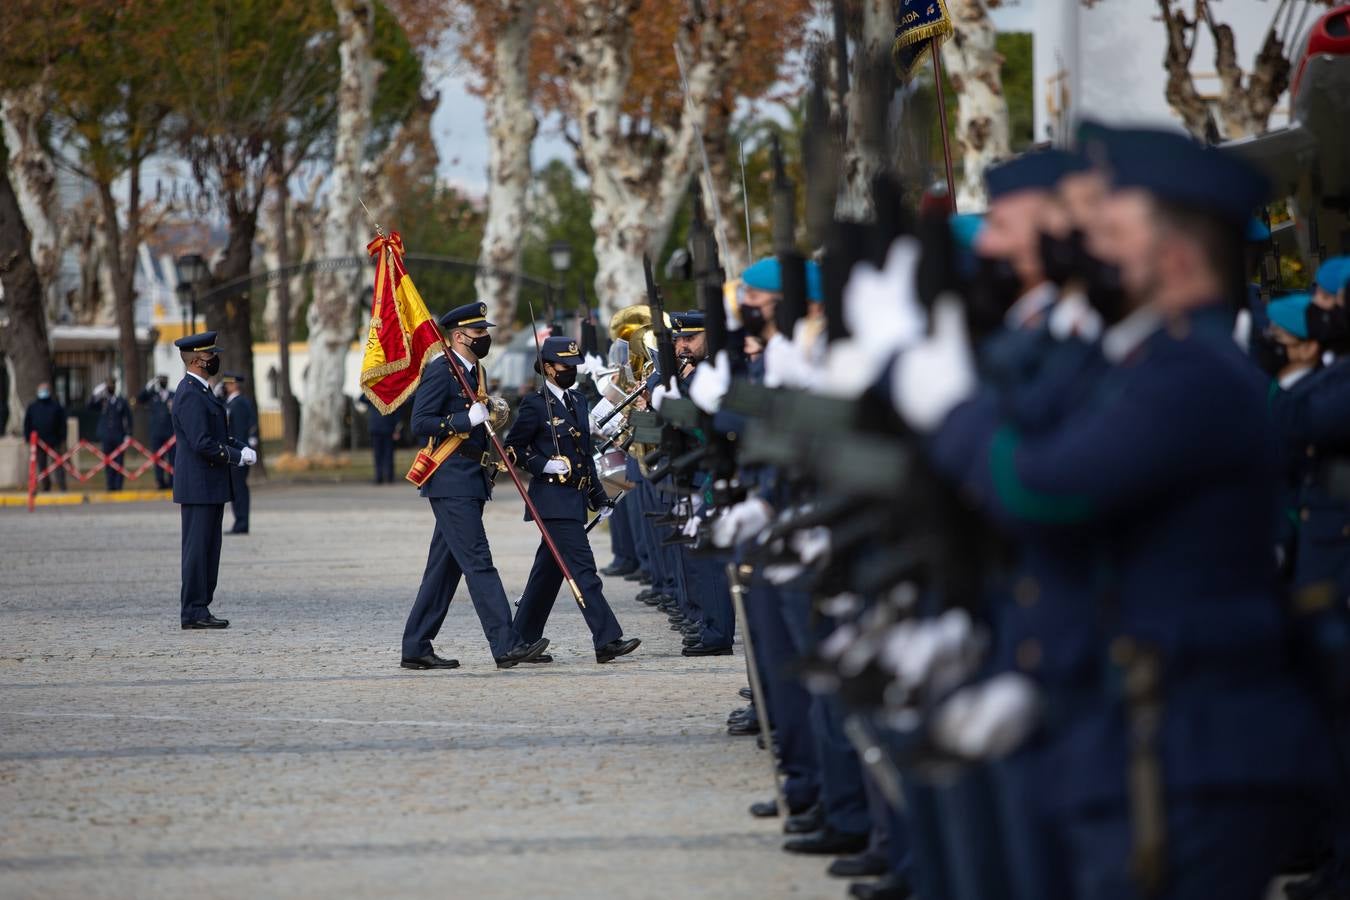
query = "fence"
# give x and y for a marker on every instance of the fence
(69, 461)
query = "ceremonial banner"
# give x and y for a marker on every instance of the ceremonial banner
(402, 331)
(920, 23)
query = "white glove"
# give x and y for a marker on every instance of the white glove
(1242, 329)
(783, 364)
(478, 414)
(606, 512)
(555, 467)
(248, 456)
(935, 377)
(710, 383)
(988, 720)
(744, 520)
(660, 394)
(1074, 317)
(253, 442)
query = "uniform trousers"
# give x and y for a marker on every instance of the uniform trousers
(201, 558)
(546, 580)
(239, 505)
(382, 448)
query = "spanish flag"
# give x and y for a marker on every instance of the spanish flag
(402, 331)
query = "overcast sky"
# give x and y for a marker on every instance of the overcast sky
(461, 134)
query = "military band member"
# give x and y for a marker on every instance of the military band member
(206, 453)
(457, 492)
(551, 438)
(243, 421)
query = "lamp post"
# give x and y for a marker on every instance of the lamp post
(192, 271)
(560, 255)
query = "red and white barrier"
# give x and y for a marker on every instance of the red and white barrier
(69, 461)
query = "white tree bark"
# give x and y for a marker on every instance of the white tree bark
(972, 62)
(864, 142)
(33, 175)
(637, 187)
(512, 126)
(332, 323)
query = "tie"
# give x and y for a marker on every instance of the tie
(567, 401)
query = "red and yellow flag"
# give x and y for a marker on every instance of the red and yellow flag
(402, 331)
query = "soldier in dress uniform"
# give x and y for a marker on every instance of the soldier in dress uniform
(159, 400)
(243, 421)
(457, 492)
(384, 433)
(114, 424)
(47, 417)
(206, 454)
(551, 438)
(1164, 786)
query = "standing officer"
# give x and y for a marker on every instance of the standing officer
(457, 491)
(47, 417)
(552, 439)
(159, 400)
(202, 483)
(114, 424)
(384, 432)
(243, 421)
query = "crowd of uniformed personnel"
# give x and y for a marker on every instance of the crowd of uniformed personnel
(1043, 533)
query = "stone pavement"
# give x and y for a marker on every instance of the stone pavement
(290, 756)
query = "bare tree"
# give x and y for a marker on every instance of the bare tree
(973, 63)
(23, 321)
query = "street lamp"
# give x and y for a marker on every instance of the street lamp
(192, 271)
(560, 254)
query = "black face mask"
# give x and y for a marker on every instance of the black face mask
(1329, 327)
(565, 378)
(213, 365)
(481, 346)
(996, 286)
(753, 320)
(1269, 354)
(1062, 258)
(1105, 290)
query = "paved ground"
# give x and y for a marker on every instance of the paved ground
(290, 756)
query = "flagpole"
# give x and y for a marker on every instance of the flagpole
(942, 120)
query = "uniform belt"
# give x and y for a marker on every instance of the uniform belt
(582, 484)
(483, 457)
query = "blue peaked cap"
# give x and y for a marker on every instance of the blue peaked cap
(1176, 169)
(1039, 170)
(1290, 312)
(1334, 274)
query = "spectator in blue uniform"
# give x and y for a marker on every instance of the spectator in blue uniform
(158, 399)
(243, 422)
(114, 424)
(47, 417)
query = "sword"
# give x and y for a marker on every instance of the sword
(718, 229)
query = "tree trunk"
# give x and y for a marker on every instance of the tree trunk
(1182, 94)
(637, 182)
(232, 317)
(873, 85)
(290, 420)
(123, 246)
(32, 175)
(23, 325)
(511, 126)
(972, 62)
(332, 325)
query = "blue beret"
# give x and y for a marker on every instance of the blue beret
(206, 340)
(815, 282)
(1039, 170)
(765, 275)
(470, 315)
(1334, 274)
(687, 321)
(1175, 169)
(560, 349)
(1290, 312)
(1257, 232)
(965, 228)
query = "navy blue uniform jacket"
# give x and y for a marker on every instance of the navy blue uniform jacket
(532, 441)
(205, 450)
(440, 409)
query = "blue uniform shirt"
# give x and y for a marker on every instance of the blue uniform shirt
(531, 439)
(440, 409)
(205, 451)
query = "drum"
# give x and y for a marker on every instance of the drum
(612, 467)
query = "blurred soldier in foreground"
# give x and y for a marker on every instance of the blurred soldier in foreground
(206, 453)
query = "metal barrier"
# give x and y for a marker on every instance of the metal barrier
(69, 462)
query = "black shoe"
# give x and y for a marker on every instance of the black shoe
(891, 887)
(743, 727)
(648, 595)
(746, 694)
(637, 575)
(209, 622)
(237, 530)
(808, 821)
(616, 648)
(541, 658)
(827, 842)
(864, 865)
(741, 712)
(701, 650)
(430, 661)
(614, 570)
(693, 629)
(692, 641)
(764, 809)
(523, 653)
